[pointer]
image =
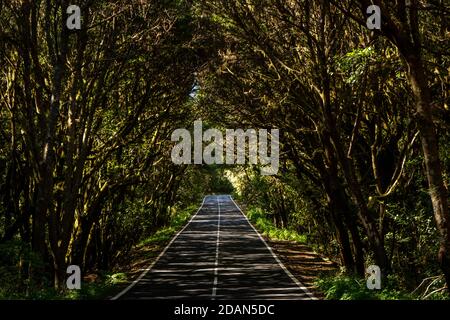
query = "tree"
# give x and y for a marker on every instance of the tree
(401, 24)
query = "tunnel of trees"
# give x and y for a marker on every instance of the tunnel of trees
(86, 118)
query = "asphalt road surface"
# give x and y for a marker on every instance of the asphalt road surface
(218, 255)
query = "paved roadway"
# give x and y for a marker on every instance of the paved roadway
(218, 255)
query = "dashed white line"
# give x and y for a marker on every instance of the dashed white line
(216, 264)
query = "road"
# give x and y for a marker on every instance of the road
(218, 255)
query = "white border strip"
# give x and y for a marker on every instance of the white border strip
(216, 264)
(298, 283)
(159, 256)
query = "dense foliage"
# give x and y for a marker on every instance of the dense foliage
(86, 119)
(362, 114)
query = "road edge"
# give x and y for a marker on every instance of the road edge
(286, 270)
(150, 267)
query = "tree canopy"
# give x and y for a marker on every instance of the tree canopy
(86, 118)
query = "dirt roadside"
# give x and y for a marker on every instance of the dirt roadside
(305, 264)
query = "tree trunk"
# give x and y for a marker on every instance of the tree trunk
(358, 251)
(337, 204)
(374, 235)
(430, 147)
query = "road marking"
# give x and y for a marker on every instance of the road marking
(216, 264)
(294, 279)
(159, 256)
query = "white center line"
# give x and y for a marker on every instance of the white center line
(216, 264)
